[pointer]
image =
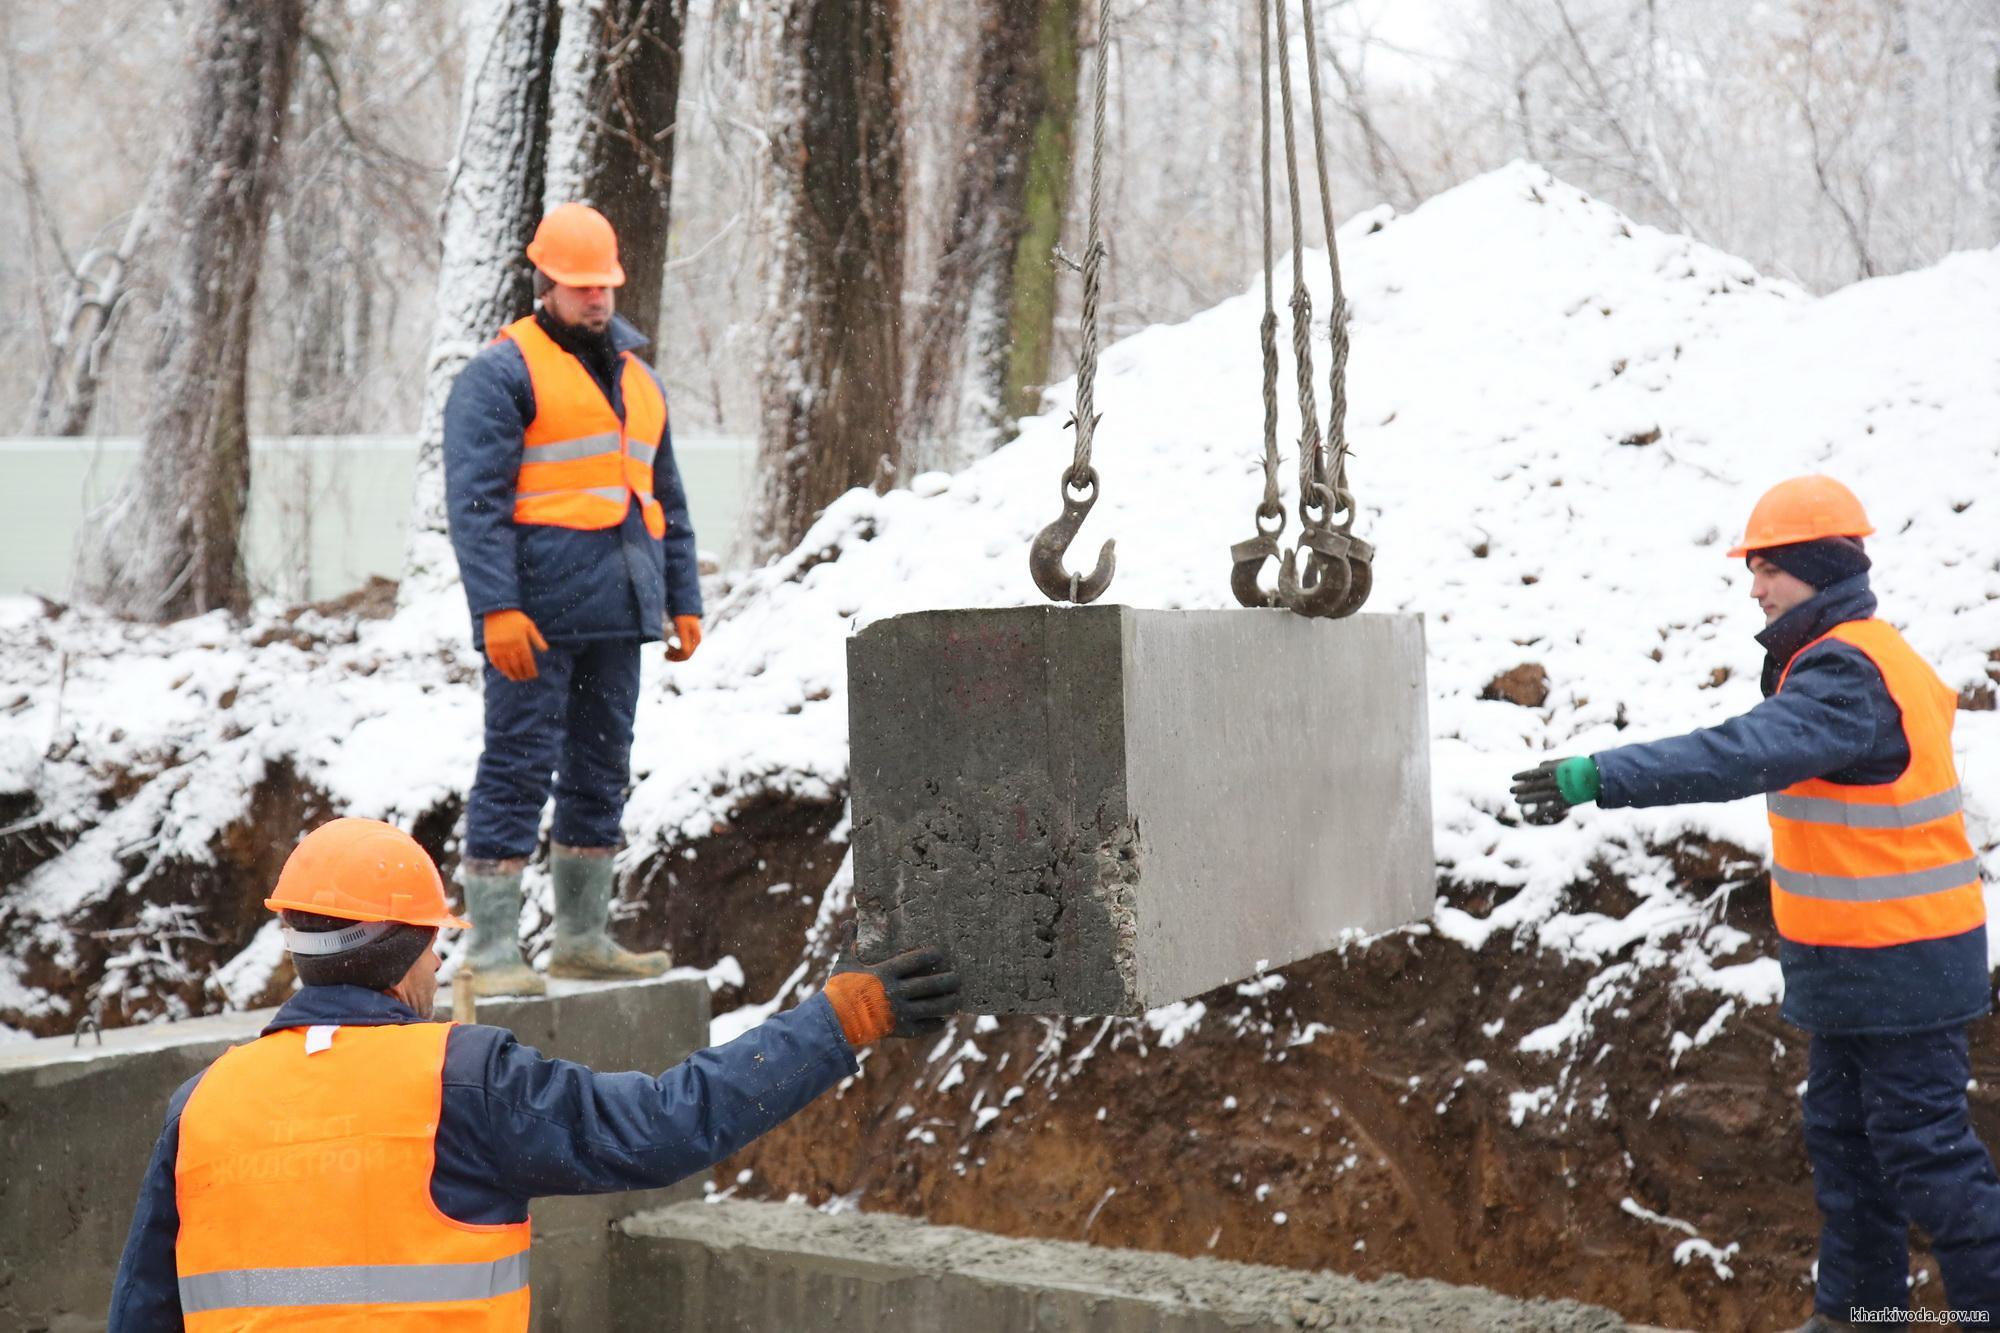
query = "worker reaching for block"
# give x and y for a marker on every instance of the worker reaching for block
(360, 1163)
(1877, 896)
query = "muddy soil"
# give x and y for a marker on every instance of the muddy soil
(151, 951)
(750, 889)
(1363, 1117)
(1367, 1112)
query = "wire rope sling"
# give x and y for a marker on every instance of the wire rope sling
(1330, 573)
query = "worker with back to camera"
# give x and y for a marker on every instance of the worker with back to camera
(1876, 893)
(359, 1166)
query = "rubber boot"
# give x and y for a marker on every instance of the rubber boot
(1826, 1323)
(583, 949)
(493, 904)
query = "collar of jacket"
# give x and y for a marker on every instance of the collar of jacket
(340, 1006)
(1837, 603)
(625, 335)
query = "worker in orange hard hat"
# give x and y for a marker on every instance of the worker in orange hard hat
(571, 528)
(358, 1166)
(1876, 893)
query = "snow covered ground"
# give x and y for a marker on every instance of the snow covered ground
(1560, 419)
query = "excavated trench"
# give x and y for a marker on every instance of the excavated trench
(1367, 1112)
(1370, 1112)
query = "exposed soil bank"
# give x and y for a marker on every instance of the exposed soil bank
(1371, 1113)
(1365, 1113)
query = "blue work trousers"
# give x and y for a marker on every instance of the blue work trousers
(570, 728)
(1891, 1142)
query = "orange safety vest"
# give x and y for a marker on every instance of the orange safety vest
(582, 466)
(1867, 866)
(304, 1184)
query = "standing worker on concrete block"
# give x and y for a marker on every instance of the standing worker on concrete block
(1877, 897)
(359, 1166)
(572, 534)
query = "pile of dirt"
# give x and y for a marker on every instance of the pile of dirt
(1366, 1112)
(1370, 1112)
(156, 949)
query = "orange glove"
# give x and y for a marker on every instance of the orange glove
(508, 634)
(910, 995)
(688, 630)
(861, 1003)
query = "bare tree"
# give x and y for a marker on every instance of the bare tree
(168, 544)
(80, 343)
(612, 130)
(985, 342)
(95, 285)
(832, 378)
(1386, 171)
(1992, 172)
(493, 200)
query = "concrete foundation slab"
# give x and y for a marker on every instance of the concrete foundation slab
(775, 1268)
(1101, 810)
(78, 1123)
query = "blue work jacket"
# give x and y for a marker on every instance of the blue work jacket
(516, 1125)
(1833, 719)
(575, 584)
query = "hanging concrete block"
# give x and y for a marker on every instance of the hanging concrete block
(1100, 810)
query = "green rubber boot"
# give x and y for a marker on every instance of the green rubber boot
(493, 904)
(583, 949)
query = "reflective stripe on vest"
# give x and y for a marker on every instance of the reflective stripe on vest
(581, 467)
(1845, 814)
(1875, 888)
(1886, 864)
(362, 1284)
(304, 1182)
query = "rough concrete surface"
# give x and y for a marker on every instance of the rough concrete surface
(1101, 810)
(78, 1124)
(776, 1268)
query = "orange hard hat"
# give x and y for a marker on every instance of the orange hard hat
(363, 870)
(575, 246)
(1803, 509)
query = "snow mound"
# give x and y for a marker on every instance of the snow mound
(1559, 418)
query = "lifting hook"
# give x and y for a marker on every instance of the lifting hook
(1248, 557)
(1045, 557)
(1339, 569)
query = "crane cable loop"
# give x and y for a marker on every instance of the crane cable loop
(1337, 571)
(1051, 546)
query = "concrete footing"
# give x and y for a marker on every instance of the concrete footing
(78, 1124)
(1102, 809)
(762, 1268)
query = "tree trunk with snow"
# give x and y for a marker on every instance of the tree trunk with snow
(168, 545)
(985, 343)
(832, 380)
(611, 132)
(493, 199)
(1993, 129)
(66, 395)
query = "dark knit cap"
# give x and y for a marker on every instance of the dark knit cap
(378, 964)
(1821, 563)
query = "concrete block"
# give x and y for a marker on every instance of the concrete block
(776, 1268)
(78, 1124)
(1101, 810)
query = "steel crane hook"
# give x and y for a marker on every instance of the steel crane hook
(1248, 556)
(1051, 546)
(1316, 579)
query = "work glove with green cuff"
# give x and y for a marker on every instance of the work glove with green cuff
(1547, 790)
